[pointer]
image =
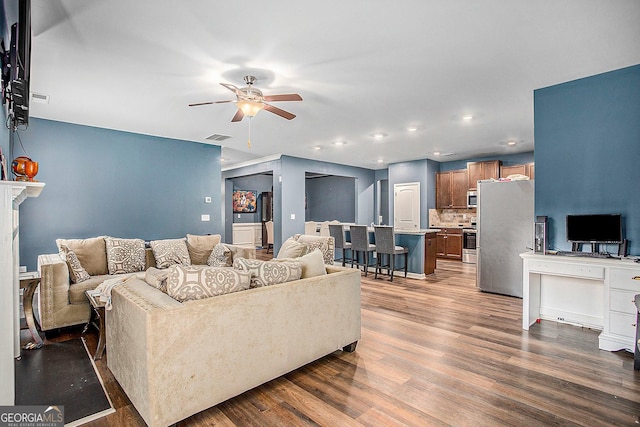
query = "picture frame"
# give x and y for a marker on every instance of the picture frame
(244, 201)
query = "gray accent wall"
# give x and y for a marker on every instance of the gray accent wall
(587, 152)
(106, 182)
(330, 198)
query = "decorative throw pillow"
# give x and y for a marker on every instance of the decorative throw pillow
(200, 247)
(266, 273)
(125, 255)
(291, 249)
(325, 244)
(91, 253)
(157, 278)
(220, 256)
(77, 273)
(312, 264)
(186, 283)
(168, 252)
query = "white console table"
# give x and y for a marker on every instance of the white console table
(12, 194)
(593, 292)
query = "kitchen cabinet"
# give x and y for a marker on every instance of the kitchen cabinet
(524, 169)
(430, 253)
(451, 189)
(477, 171)
(449, 243)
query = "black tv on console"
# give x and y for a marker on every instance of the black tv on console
(600, 228)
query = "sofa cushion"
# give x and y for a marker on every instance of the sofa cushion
(125, 255)
(200, 247)
(76, 291)
(91, 253)
(220, 256)
(76, 272)
(291, 249)
(266, 273)
(312, 264)
(168, 252)
(186, 283)
(157, 278)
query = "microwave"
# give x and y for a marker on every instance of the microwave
(472, 199)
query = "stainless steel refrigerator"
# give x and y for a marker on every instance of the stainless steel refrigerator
(505, 218)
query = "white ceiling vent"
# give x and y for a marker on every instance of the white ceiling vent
(218, 137)
(39, 98)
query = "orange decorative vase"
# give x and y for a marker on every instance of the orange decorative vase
(24, 168)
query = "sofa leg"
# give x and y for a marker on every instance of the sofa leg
(351, 347)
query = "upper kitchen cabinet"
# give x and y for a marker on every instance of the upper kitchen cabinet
(526, 169)
(451, 189)
(477, 171)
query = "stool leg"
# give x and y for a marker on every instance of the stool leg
(375, 276)
(406, 255)
(392, 263)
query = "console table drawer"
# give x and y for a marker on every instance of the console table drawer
(621, 278)
(567, 269)
(622, 301)
(622, 324)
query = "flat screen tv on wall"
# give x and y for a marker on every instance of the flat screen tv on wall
(244, 201)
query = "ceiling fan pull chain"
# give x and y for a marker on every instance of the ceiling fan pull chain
(249, 140)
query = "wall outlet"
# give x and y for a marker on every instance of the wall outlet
(205, 217)
(23, 269)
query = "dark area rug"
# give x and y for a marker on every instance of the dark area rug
(62, 374)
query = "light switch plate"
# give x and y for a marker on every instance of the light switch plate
(293, 216)
(207, 199)
(205, 217)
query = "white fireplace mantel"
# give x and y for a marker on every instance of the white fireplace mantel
(12, 194)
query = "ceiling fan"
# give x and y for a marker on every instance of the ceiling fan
(250, 100)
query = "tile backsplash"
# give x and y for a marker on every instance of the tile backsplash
(451, 217)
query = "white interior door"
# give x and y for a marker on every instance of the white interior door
(406, 206)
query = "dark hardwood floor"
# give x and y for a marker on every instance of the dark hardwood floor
(435, 352)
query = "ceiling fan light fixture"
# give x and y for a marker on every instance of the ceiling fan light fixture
(249, 108)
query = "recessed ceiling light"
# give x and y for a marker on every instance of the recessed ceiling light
(436, 153)
(339, 143)
(379, 136)
(511, 143)
(380, 160)
(467, 118)
(412, 128)
(222, 159)
(317, 147)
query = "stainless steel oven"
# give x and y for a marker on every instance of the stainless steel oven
(469, 246)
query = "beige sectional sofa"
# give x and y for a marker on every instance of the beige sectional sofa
(175, 359)
(63, 303)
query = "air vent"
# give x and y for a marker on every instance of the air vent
(446, 154)
(39, 98)
(218, 137)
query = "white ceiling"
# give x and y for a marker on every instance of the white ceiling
(362, 67)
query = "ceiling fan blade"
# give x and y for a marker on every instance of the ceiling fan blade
(275, 110)
(284, 97)
(210, 102)
(239, 116)
(233, 89)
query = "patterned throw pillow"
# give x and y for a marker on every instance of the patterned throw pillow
(186, 283)
(77, 273)
(125, 255)
(325, 244)
(266, 273)
(168, 252)
(291, 249)
(220, 256)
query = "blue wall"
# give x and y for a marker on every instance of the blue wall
(105, 182)
(330, 198)
(587, 154)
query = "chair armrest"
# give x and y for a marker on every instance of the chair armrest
(54, 286)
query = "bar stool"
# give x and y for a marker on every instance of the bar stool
(337, 232)
(360, 243)
(386, 245)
